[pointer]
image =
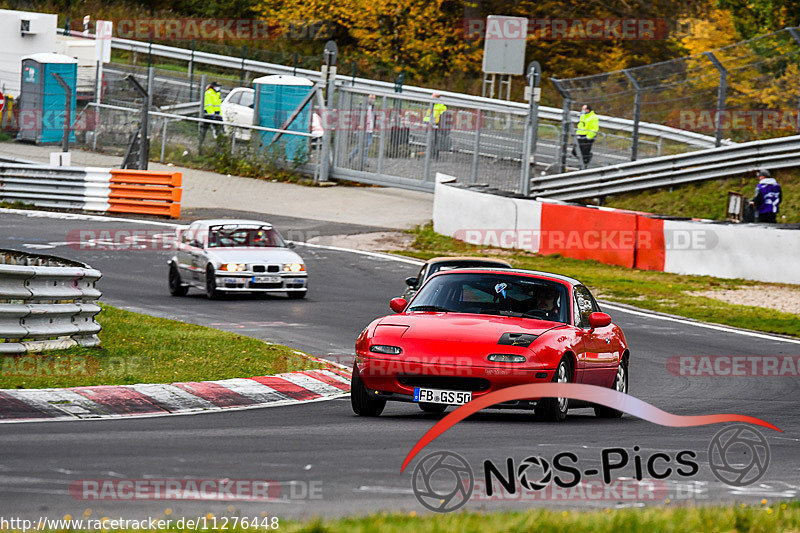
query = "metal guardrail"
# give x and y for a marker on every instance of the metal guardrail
(46, 303)
(450, 98)
(664, 171)
(56, 187)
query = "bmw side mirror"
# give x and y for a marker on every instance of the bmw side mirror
(290, 244)
(412, 281)
(398, 304)
(599, 320)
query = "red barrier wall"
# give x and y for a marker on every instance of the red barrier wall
(586, 233)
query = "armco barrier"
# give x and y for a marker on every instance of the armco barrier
(145, 192)
(92, 189)
(749, 251)
(46, 303)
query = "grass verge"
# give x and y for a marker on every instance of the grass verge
(756, 519)
(138, 348)
(708, 199)
(657, 291)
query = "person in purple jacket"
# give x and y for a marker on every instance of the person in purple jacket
(768, 197)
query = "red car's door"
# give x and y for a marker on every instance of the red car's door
(599, 360)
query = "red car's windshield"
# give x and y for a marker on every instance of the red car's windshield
(494, 294)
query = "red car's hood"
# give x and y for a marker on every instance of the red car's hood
(457, 334)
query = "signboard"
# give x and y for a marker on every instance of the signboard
(2, 102)
(504, 45)
(102, 49)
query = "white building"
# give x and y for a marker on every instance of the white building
(24, 33)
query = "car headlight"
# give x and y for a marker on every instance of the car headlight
(506, 358)
(385, 349)
(232, 267)
(294, 267)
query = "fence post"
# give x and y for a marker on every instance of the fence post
(426, 176)
(329, 73)
(144, 152)
(637, 112)
(476, 147)
(191, 72)
(531, 125)
(383, 131)
(241, 69)
(163, 140)
(796, 36)
(202, 103)
(565, 126)
(721, 91)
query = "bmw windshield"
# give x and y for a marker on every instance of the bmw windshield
(229, 236)
(494, 294)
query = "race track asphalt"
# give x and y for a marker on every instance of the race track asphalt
(352, 465)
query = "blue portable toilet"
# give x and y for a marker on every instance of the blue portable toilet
(276, 98)
(42, 100)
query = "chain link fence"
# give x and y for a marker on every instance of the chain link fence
(742, 92)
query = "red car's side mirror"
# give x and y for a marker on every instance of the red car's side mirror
(398, 304)
(599, 320)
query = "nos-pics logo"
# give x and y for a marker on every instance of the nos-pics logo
(443, 481)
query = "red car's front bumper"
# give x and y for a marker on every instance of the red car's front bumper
(393, 379)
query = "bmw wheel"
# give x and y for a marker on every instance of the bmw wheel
(211, 284)
(620, 385)
(360, 400)
(555, 409)
(176, 288)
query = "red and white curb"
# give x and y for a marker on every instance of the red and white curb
(144, 400)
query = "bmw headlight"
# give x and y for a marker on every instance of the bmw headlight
(385, 349)
(294, 267)
(232, 267)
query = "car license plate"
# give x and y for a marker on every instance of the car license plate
(450, 397)
(266, 279)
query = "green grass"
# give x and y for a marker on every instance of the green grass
(138, 348)
(708, 199)
(657, 291)
(767, 518)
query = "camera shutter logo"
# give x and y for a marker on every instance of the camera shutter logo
(526, 473)
(442, 482)
(739, 455)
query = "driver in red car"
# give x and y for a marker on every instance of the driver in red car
(547, 302)
(542, 303)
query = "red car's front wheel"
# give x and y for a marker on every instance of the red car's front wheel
(360, 399)
(620, 385)
(555, 409)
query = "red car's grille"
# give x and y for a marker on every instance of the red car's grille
(445, 382)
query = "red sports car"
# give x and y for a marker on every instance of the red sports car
(469, 332)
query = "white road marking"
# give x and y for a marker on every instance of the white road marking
(172, 398)
(250, 388)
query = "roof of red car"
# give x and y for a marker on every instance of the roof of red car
(559, 277)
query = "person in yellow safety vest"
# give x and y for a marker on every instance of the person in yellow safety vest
(438, 109)
(438, 135)
(212, 108)
(587, 129)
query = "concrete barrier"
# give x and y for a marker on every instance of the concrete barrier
(618, 237)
